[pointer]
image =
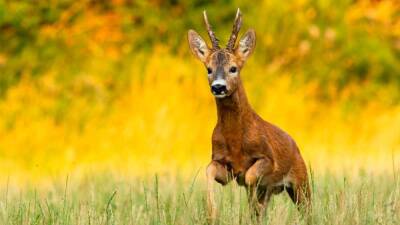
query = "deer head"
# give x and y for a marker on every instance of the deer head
(223, 65)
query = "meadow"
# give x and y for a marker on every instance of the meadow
(111, 199)
(97, 97)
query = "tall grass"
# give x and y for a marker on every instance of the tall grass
(110, 199)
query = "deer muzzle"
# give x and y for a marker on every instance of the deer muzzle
(218, 88)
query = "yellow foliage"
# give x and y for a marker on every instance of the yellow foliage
(164, 122)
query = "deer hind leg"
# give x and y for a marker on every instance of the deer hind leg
(300, 195)
(256, 180)
(215, 172)
(258, 197)
(299, 192)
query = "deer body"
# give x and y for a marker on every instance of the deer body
(241, 137)
(245, 148)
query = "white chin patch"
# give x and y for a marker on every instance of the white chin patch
(220, 95)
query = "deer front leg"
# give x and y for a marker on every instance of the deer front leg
(257, 185)
(215, 172)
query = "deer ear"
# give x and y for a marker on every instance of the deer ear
(246, 45)
(198, 45)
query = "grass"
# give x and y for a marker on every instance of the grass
(108, 199)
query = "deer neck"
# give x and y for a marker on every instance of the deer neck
(234, 111)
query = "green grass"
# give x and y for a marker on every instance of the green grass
(107, 199)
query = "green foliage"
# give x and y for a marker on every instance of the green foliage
(333, 43)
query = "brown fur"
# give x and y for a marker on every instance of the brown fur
(254, 152)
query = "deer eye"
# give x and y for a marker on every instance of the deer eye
(233, 69)
(209, 70)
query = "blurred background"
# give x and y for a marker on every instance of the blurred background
(89, 86)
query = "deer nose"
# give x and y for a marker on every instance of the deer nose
(218, 87)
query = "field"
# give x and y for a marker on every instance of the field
(106, 116)
(108, 199)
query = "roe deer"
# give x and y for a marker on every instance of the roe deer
(255, 153)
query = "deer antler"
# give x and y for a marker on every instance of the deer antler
(214, 40)
(235, 31)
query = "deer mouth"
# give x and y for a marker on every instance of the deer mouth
(220, 95)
